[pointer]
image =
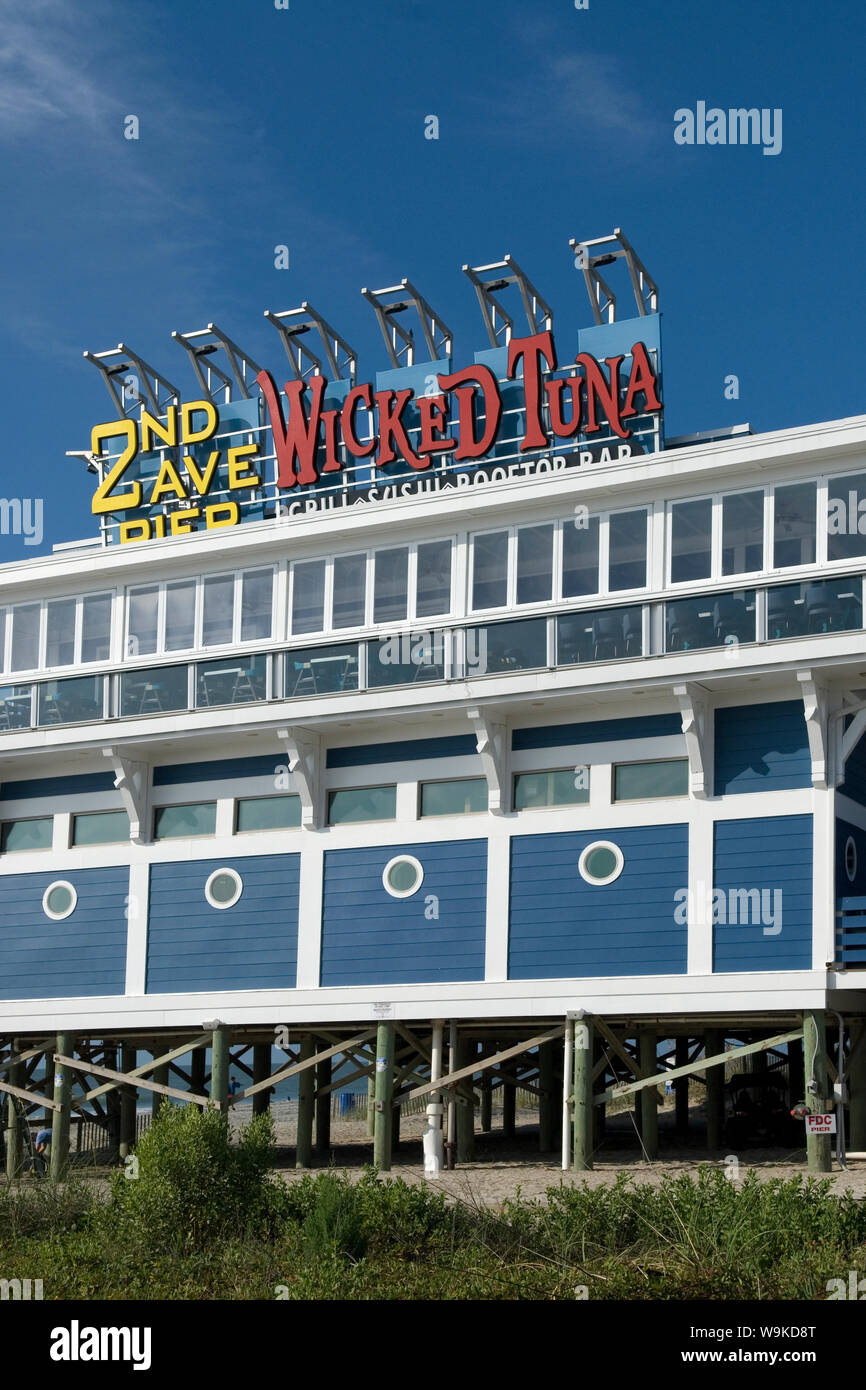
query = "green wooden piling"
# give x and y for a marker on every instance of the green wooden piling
(371, 1104)
(261, 1069)
(323, 1106)
(857, 1085)
(817, 1087)
(128, 1099)
(60, 1118)
(486, 1117)
(382, 1134)
(160, 1076)
(714, 1043)
(113, 1108)
(582, 1108)
(220, 1059)
(306, 1106)
(681, 1089)
(14, 1123)
(466, 1054)
(509, 1100)
(548, 1100)
(649, 1095)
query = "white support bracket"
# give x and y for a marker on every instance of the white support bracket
(697, 727)
(306, 764)
(132, 780)
(816, 706)
(492, 744)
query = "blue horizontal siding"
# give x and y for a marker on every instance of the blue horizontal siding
(220, 770)
(771, 852)
(761, 748)
(854, 785)
(844, 885)
(78, 785)
(597, 731)
(564, 927)
(81, 956)
(404, 751)
(192, 946)
(370, 938)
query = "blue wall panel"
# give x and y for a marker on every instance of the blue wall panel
(368, 937)
(854, 785)
(83, 955)
(845, 888)
(405, 750)
(192, 946)
(597, 731)
(221, 770)
(564, 927)
(771, 854)
(77, 785)
(761, 748)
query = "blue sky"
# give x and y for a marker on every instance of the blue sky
(305, 127)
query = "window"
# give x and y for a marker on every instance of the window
(100, 828)
(321, 670)
(77, 700)
(268, 813)
(232, 681)
(511, 646)
(691, 540)
(257, 587)
(59, 900)
(223, 888)
(534, 790)
(179, 822)
(647, 781)
(362, 804)
(580, 558)
(350, 591)
(534, 564)
(628, 550)
(601, 863)
(433, 583)
(846, 517)
(15, 707)
(742, 532)
(19, 835)
(391, 585)
(308, 596)
(217, 605)
(713, 620)
(464, 797)
(143, 624)
(402, 876)
(154, 690)
(490, 570)
(794, 509)
(602, 634)
(180, 615)
(60, 632)
(77, 629)
(228, 607)
(25, 637)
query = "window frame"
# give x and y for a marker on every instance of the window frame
(198, 581)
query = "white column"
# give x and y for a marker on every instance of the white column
(137, 908)
(310, 896)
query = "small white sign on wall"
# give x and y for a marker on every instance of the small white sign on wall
(821, 1124)
(383, 1010)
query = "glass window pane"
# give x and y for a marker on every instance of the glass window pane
(143, 616)
(362, 803)
(75, 701)
(534, 564)
(308, 596)
(533, 790)
(350, 584)
(830, 605)
(691, 540)
(218, 610)
(177, 822)
(156, 690)
(180, 615)
(2, 639)
(628, 556)
(463, 797)
(15, 703)
(60, 632)
(743, 533)
(391, 585)
(643, 781)
(490, 570)
(269, 813)
(580, 558)
(232, 681)
(96, 627)
(794, 525)
(25, 637)
(321, 670)
(846, 522)
(515, 646)
(433, 583)
(27, 834)
(257, 587)
(406, 658)
(601, 635)
(713, 620)
(100, 828)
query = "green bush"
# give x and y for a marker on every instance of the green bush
(334, 1226)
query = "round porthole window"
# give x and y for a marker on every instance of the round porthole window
(601, 863)
(851, 859)
(223, 888)
(402, 876)
(59, 900)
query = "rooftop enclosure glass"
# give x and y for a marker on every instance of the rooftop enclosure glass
(20, 835)
(345, 807)
(534, 790)
(466, 796)
(268, 813)
(181, 822)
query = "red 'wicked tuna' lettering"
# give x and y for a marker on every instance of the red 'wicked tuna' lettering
(465, 384)
(434, 420)
(598, 388)
(531, 351)
(554, 390)
(641, 380)
(297, 438)
(391, 427)
(359, 395)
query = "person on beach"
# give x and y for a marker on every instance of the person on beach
(43, 1140)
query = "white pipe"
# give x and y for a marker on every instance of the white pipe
(567, 1061)
(451, 1141)
(434, 1152)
